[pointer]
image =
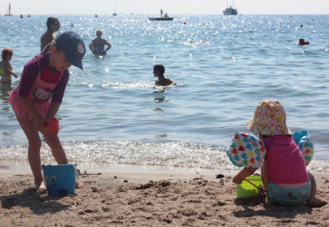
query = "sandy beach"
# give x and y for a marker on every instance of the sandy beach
(149, 199)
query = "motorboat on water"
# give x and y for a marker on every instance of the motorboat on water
(230, 10)
(161, 18)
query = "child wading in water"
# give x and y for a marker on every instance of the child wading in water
(158, 71)
(38, 96)
(5, 67)
(283, 171)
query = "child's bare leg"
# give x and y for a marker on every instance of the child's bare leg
(58, 152)
(33, 149)
(266, 178)
(313, 201)
(56, 148)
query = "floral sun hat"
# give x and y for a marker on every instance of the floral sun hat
(269, 119)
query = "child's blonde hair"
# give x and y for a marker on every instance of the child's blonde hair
(5, 52)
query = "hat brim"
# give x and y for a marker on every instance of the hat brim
(74, 60)
(251, 127)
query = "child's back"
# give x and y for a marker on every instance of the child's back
(284, 160)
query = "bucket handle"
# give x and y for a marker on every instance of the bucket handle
(261, 191)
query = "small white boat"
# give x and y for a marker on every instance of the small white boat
(8, 14)
(161, 18)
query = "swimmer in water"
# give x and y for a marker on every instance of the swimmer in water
(158, 71)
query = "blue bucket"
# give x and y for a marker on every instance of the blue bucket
(60, 179)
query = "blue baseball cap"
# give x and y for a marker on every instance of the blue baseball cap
(73, 47)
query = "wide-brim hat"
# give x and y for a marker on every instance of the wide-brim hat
(73, 47)
(269, 119)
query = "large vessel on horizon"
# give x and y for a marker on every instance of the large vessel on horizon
(230, 10)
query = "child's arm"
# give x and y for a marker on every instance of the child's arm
(52, 110)
(245, 172)
(14, 74)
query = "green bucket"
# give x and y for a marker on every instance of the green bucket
(245, 189)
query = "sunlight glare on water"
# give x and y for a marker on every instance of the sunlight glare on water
(223, 66)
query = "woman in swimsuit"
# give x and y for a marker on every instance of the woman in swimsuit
(97, 45)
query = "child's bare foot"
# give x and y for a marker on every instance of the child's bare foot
(40, 186)
(79, 184)
(314, 202)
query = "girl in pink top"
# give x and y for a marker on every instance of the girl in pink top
(38, 96)
(283, 171)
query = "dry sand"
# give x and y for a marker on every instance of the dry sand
(149, 199)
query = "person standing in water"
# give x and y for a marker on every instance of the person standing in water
(52, 26)
(97, 45)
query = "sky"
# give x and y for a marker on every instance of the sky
(172, 7)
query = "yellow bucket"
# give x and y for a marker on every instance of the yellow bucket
(245, 189)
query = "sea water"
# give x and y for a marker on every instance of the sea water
(113, 116)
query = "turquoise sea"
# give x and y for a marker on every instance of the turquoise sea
(113, 116)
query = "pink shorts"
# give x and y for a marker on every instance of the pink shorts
(20, 111)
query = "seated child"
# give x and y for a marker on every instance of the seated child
(283, 171)
(5, 67)
(158, 71)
